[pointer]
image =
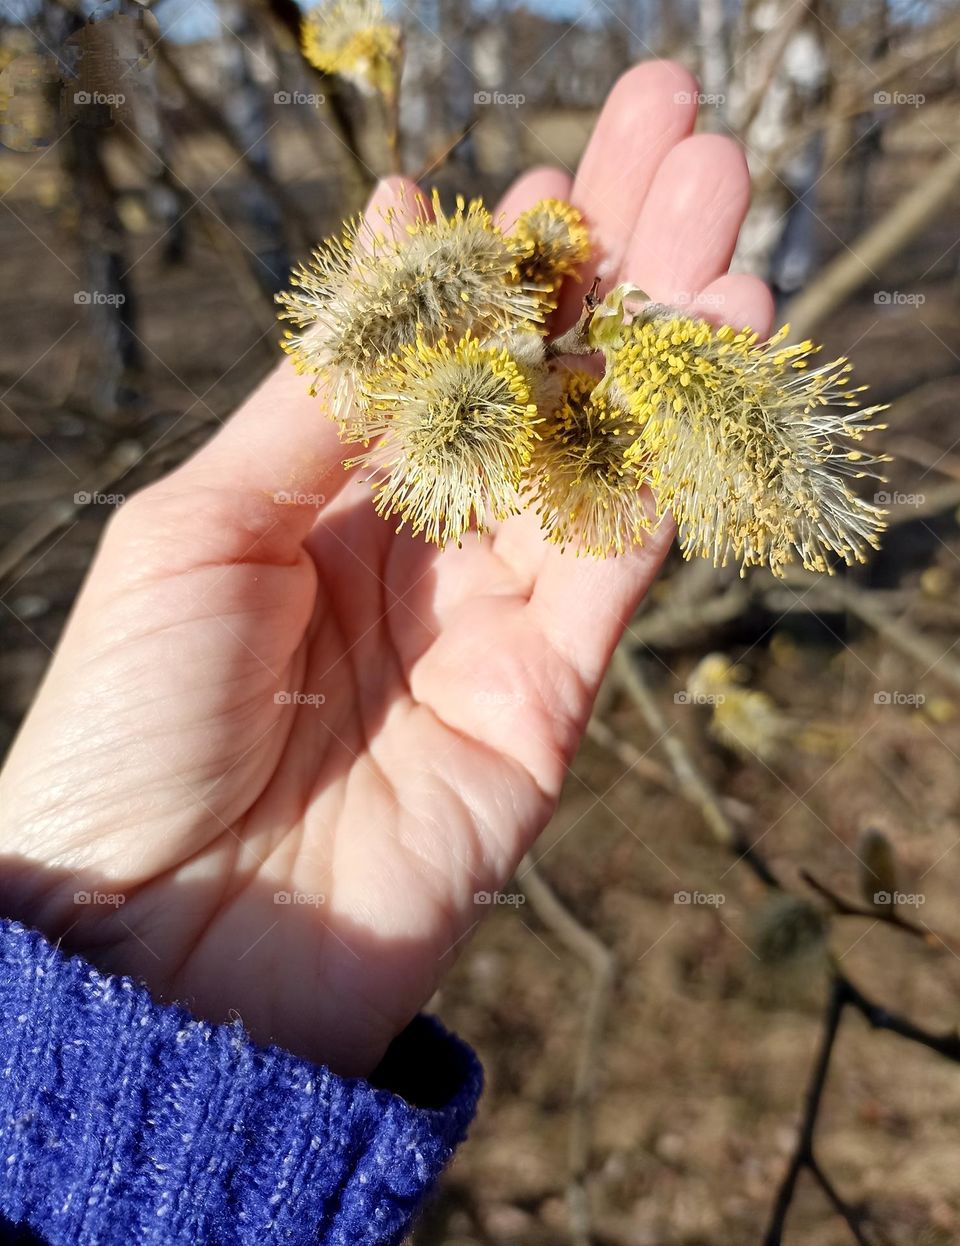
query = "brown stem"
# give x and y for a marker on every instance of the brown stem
(848, 908)
(574, 341)
(803, 1156)
(601, 964)
(692, 783)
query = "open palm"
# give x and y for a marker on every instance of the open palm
(282, 748)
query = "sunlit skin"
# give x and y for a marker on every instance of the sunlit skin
(161, 759)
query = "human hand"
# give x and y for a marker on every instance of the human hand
(441, 694)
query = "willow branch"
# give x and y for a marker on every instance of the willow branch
(692, 783)
(601, 964)
(860, 262)
(880, 1018)
(897, 631)
(891, 916)
(803, 1155)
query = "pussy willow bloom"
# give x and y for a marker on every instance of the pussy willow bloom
(456, 428)
(354, 39)
(746, 443)
(551, 242)
(380, 287)
(528, 350)
(878, 873)
(586, 488)
(746, 720)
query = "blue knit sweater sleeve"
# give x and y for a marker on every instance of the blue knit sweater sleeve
(123, 1120)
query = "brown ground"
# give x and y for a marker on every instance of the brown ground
(701, 1073)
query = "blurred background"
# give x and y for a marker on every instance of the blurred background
(757, 855)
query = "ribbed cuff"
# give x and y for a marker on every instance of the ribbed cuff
(123, 1120)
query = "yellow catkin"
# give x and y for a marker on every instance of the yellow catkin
(586, 491)
(381, 286)
(354, 39)
(551, 242)
(746, 443)
(455, 434)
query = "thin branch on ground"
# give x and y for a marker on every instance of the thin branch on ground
(692, 783)
(636, 762)
(843, 992)
(934, 660)
(106, 474)
(602, 967)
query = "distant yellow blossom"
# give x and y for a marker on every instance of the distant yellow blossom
(744, 719)
(354, 39)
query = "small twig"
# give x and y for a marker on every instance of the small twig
(918, 450)
(880, 1018)
(601, 964)
(885, 73)
(843, 992)
(902, 635)
(574, 341)
(848, 908)
(778, 38)
(693, 786)
(850, 1217)
(803, 1154)
(445, 149)
(867, 255)
(391, 114)
(635, 761)
(680, 623)
(295, 220)
(117, 463)
(942, 498)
